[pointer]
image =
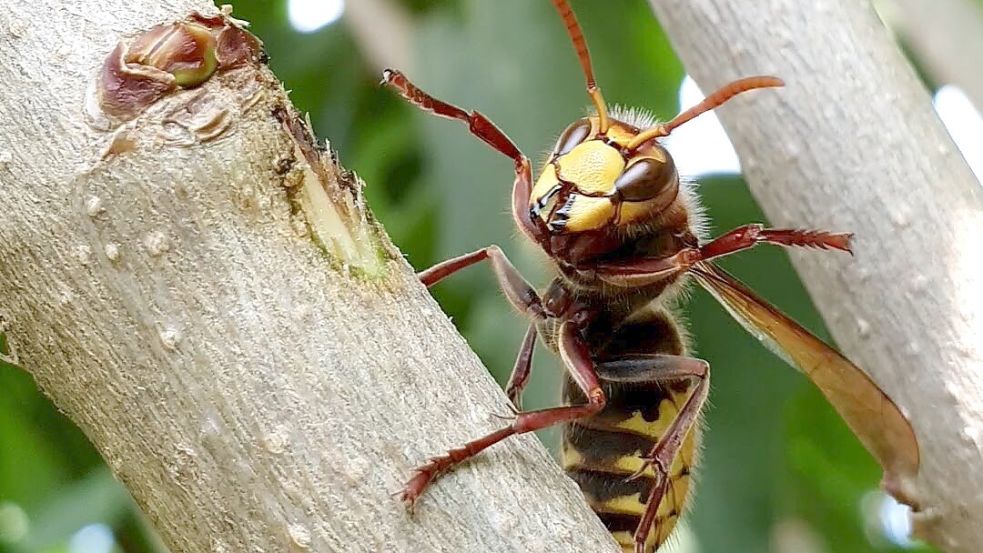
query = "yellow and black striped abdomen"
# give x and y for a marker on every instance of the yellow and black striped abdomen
(600, 452)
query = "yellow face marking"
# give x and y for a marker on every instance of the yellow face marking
(588, 173)
(592, 167)
(546, 182)
(588, 213)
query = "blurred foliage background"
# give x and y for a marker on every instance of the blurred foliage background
(780, 472)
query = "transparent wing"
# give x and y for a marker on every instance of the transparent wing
(867, 410)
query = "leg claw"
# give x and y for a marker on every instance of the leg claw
(513, 413)
(414, 488)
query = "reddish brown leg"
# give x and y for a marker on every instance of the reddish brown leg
(483, 128)
(577, 359)
(522, 368)
(520, 293)
(479, 125)
(747, 236)
(647, 269)
(521, 191)
(655, 367)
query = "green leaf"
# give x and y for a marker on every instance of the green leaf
(98, 497)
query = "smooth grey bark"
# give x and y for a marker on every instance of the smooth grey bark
(852, 144)
(255, 388)
(946, 38)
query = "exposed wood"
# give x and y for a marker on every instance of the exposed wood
(852, 144)
(254, 388)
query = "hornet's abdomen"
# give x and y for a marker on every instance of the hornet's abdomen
(602, 451)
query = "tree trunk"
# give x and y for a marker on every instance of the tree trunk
(852, 144)
(205, 295)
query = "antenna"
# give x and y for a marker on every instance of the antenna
(580, 45)
(710, 102)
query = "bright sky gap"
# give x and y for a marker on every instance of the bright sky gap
(93, 538)
(307, 16)
(964, 124)
(701, 147)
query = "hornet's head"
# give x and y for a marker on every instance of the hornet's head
(608, 174)
(594, 181)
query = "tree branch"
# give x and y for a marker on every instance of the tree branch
(852, 144)
(203, 293)
(946, 38)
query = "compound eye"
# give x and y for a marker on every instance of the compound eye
(645, 179)
(573, 135)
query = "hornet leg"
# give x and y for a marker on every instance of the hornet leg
(646, 270)
(520, 293)
(578, 362)
(522, 368)
(483, 128)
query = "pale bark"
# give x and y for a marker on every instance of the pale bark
(946, 38)
(852, 144)
(255, 389)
